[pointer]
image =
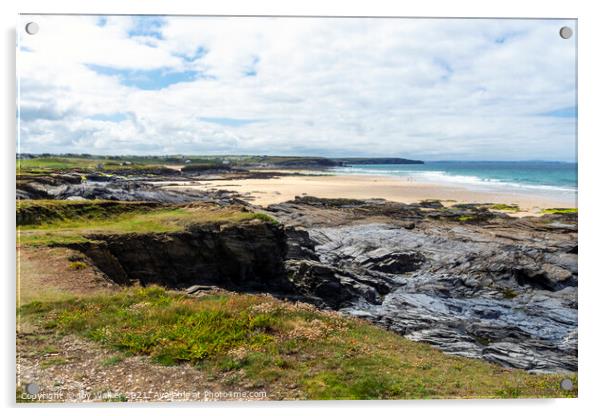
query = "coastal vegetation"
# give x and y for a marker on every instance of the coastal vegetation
(49, 164)
(47, 222)
(559, 211)
(290, 349)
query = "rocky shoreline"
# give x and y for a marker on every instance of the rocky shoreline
(468, 279)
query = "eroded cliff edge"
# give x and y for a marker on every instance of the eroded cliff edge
(468, 278)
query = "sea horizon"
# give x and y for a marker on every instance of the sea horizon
(558, 179)
(546, 178)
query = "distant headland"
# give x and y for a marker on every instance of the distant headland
(236, 160)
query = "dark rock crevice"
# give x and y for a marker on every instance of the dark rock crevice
(247, 257)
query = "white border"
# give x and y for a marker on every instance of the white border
(590, 37)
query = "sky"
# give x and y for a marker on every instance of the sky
(430, 89)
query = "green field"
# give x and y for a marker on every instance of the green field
(52, 162)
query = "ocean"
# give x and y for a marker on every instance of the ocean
(548, 178)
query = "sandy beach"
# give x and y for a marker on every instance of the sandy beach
(264, 192)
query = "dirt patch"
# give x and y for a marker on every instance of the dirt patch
(45, 273)
(71, 369)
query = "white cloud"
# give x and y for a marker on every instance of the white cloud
(436, 89)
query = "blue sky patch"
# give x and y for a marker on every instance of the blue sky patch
(149, 79)
(114, 117)
(199, 53)
(567, 112)
(40, 113)
(147, 26)
(230, 122)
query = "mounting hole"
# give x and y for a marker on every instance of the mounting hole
(32, 388)
(32, 28)
(566, 32)
(566, 384)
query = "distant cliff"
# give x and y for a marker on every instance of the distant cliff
(323, 162)
(378, 161)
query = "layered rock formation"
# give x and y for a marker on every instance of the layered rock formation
(472, 282)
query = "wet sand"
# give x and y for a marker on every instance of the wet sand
(275, 190)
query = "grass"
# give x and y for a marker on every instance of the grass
(51, 164)
(559, 211)
(112, 360)
(265, 217)
(77, 265)
(117, 398)
(49, 239)
(67, 222)
(48, 349)
(48, 163)
(53, 362)
(466, 218)
(259, 341)
(49, 211)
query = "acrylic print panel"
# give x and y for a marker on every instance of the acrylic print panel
(267, 208)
